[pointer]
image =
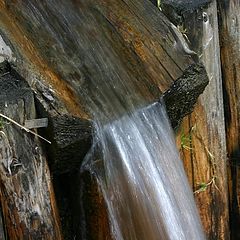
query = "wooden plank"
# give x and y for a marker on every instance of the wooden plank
(229, 19)
(27, 197)
(36, 123)
(202, 136)
(208, 136)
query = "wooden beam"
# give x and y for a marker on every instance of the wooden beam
(202, 136)
(131, 37)
(229, 18)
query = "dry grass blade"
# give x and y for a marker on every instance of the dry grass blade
(24, 128)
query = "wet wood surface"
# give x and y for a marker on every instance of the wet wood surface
(26, 193)
(70, 43)
(62, 47)
(202, 136)
(229, 19)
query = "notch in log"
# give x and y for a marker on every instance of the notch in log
(71, 136)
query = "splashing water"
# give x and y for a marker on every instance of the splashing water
(143, 180)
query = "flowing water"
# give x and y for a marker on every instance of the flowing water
(138, 168)
(134, 156)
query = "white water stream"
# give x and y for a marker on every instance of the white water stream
(143, 179)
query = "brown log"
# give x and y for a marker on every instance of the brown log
(71, 137)
(202, 136)
(229, 18)
(134, 31)
(26, 192)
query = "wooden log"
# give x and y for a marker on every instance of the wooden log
(131, 37)
(71, 136)
(27, 196)
(202, 136)
(71, 139)
(229, 18)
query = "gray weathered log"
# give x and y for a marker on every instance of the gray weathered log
(204, 155)
(26, 192)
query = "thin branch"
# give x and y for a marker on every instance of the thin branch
(24, 128)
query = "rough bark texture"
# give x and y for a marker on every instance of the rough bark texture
(71, 139)
(183, 94)
(27, 196)
(202, 136)
(229, 19)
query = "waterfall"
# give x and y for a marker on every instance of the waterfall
(142, 178)
(135, 159)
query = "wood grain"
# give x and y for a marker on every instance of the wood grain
(229, 18)
(27, 196)
(202, 136)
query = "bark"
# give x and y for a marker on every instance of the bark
(26, 193)
(229, 18)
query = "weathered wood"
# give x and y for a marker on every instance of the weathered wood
(71, 139)
(94, 209)
(71, 136)
(132, 38)
(27, 196)
(229, 19)
(202, 137)
(183, 94)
